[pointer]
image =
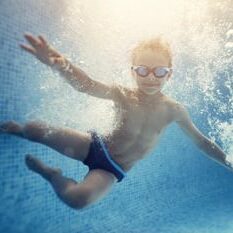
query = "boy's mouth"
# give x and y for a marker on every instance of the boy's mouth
(150, 85)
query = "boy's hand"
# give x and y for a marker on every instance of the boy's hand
(43, 51)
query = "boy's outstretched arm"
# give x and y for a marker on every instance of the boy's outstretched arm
(206, 145)
(76, 77)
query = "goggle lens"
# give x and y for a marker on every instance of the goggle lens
(142, 71)
(160, 72)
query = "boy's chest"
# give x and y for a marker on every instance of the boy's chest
(150, 117)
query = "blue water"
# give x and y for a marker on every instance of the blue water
(175, 190)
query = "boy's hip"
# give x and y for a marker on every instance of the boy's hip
(99, 157)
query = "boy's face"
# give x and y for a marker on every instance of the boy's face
(150, 84)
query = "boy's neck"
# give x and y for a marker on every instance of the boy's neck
(145, 97)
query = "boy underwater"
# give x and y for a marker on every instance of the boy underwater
(143, 113)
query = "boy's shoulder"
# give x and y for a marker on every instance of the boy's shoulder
(122, 89)
(170, 102)
(122, 93)
(176, 108)
(119, 92)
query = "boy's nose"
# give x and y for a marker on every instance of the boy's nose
(151, 76)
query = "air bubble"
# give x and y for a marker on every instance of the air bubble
(229, 45)
(229, 35)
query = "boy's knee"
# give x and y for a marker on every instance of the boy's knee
(80, 201)
(79, 205)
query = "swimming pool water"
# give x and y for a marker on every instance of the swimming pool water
(175, 190)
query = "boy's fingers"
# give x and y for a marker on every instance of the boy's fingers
(42, 39)
(28, 48)
(32, 40)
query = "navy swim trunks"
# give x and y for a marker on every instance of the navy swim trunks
(99, 157)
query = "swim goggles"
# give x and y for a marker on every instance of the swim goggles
(158, 72)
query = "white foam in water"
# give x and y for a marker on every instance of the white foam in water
(229, 45)
(225, 130)
(229, 38)
(229, 34)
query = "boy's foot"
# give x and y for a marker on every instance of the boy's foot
(11, 127)
(39, 167)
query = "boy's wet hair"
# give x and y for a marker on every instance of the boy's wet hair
(157, 44)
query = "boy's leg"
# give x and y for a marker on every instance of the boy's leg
(69, 142)
(95, 186)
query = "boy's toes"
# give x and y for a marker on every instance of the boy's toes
(10, 127)
(38, 166)
(3, 127)
(30, 161)
(29, 158)
(34, 163)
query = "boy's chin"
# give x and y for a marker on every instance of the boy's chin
(150, 91)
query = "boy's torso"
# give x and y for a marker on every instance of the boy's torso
(140, 124)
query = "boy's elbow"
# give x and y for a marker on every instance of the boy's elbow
(203, 143)
(206, 146)
(81, 88)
